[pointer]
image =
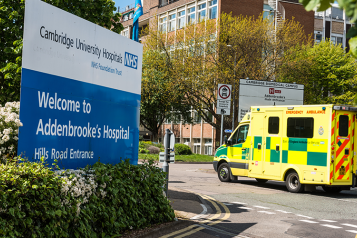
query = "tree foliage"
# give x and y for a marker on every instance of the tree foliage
(161, 97)
(350, 7)
(12, 22)
(199, 58)
(328, 73)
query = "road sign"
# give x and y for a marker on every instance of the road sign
(172, 140)
(162, 157)
(224, 99)
(228, 131)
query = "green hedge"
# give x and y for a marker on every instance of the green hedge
(182, 149)
(100, 201)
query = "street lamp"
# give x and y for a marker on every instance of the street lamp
(234, 82)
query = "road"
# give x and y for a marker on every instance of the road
(246, 208)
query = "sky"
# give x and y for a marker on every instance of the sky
(123, 3)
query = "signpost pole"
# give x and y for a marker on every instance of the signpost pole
(221, 129)
(165, 165)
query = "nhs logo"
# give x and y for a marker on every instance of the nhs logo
(131, 60)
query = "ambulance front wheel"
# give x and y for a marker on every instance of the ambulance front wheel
(293, 183)
(224, 173)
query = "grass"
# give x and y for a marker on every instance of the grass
(181, 158)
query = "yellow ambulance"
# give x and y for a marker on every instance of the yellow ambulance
(301, 145)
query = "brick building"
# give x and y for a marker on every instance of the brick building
(174, 14)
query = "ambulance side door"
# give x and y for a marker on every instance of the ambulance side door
(236, 151)
(272, 137)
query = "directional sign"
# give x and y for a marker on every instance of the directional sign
(224, 99)
(162, 157)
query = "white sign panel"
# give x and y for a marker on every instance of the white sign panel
(265, 93)
(80, 90)
(224, 99)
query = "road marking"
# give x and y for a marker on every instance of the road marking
(328, 221)
(239, 202)
(345, 224)
(353, 231)
(282, 211)
(262, 207)
(270, 213)
(304, 216)
(209, 221)
(309, 221)
(331, 226)
(247, 208)
(217, 230)
(201, 214)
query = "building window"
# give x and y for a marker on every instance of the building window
(181, 19)
(125, 33)
(126, 17)
(196, 117)
(201, 12)
(336, 39)
(318, 37)
(131, 15)
(268, 12)
(186, 141)
(273, 127)
(212, 9)
(172, 22)
(300, 127)
(177, 140)
(208, 146)
(163, 23)
(196, 145)
(191, 14)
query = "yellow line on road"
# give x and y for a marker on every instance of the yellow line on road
(214, 203)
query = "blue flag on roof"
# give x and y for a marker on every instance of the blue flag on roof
(138, 12)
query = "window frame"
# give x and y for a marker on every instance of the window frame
(237, 135)
(211, 6)
(181, 18)
(269, 131)
(172, 22)
(295, 118)
(190, 14)
(163, 22)
(199, 11)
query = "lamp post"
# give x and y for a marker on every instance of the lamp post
(234, 82)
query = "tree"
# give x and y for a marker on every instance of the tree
(200, 59)
(350, 8)
(327, 71)
(12, 22)
(161, 97)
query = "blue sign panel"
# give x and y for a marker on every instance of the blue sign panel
(79, 102)
(228, 131)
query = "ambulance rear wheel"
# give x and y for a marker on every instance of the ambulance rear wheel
(293, 183)
(261, 180)
(224, 173)
(331, 189)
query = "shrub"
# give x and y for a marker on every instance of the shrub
(182, 149)
(154, 150)
(9, 129)
(100, 200)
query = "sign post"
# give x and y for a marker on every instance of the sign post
(223, 103)
(169, 143)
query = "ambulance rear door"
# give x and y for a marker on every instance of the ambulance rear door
(343, 146)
